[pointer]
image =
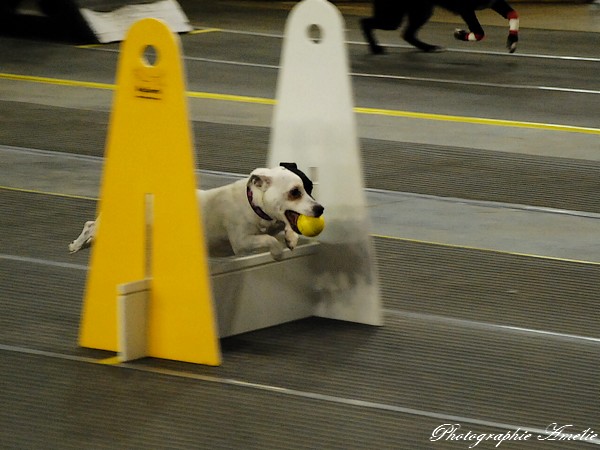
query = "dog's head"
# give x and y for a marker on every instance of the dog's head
(283, 193)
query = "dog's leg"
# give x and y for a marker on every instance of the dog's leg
(417, 17)
(506, 11)
(291, 238)
(85, 239)
(367, 25)
(254, 243)
(387, 15)
(475, 32)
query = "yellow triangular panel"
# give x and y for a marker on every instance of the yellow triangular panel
(149, 151)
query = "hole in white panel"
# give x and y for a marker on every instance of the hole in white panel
(315, 33)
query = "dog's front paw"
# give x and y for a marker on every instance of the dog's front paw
(291, 239)
(511, 42)
(461, 35)
(85, 239)
(276, 251)
(435, 49)
(377, 49)
(77, 245)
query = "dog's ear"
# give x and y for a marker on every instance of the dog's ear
(260, 178)
(290, 166)
(308, 185)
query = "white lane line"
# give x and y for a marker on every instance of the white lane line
(398, 77)
(462, 323)
(411, 78)
(49, 153)
(503, 54)
(477, 83)
(43, 262)
(394, 196)
(344, 401)
(486, 326)
(406, 46)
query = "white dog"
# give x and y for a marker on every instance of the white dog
(247, 215)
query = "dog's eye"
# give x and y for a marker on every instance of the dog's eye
(295, 194)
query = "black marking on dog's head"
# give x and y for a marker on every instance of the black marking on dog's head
(308, 185)
(260, 181)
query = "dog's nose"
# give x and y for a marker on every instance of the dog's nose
(318, 210)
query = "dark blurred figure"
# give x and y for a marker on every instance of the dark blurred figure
(388, 15)
(48, 19)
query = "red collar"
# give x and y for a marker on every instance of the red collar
(257, 209)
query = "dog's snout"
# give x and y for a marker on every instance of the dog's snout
(318, 210)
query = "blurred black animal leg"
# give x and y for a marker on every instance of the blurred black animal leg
(367, 26)
(417, 17)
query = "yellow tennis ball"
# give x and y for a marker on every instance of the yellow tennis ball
(310, 226)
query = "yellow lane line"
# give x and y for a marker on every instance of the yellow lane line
(111, 361)
(478, 120)
(359, 110)
(381, 236)
(90, 45)
(204, 30)
(56, 81)
(53, 194)
(232, 98)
